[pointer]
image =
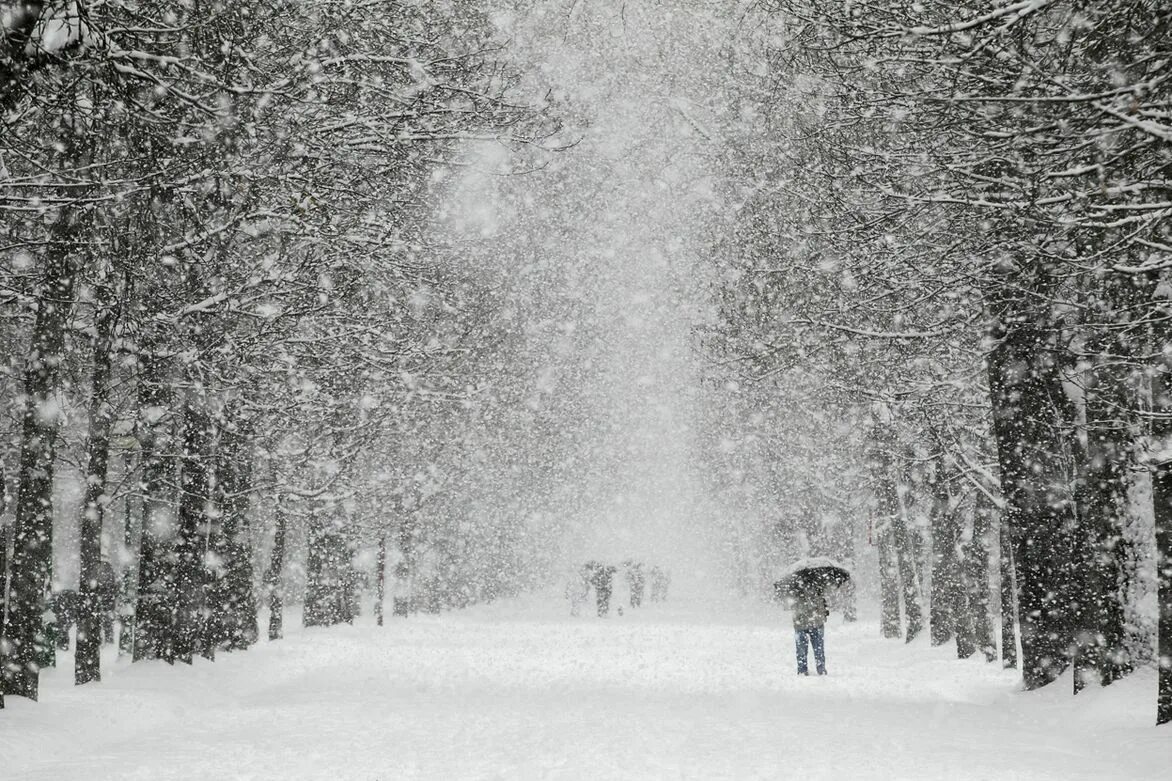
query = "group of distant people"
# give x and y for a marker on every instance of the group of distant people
(599, 577)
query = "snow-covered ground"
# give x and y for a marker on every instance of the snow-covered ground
(520, 690)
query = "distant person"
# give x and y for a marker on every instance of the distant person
(603, 581)
(809, 615)
(636, 582)
(578, 589)
(660, 578)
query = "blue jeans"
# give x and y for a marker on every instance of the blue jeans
(815, 638)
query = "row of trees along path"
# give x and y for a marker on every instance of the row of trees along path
(949, 266)
(944, 268)
(215, 215)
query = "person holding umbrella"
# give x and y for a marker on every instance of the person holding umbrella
(803, 588)
(809, 613)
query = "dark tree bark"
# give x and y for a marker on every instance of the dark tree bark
(193, 531)
(3, 580)
(4, 537)
(950, 613)
(885, 469)
(977, 575)
(273, 576)
(1162, 494)
(328, 577)
(889, 585)
(941, 616)
(154, 614)
(314, 608)
(127, 588)
(32, 559)
(1008, 597)
(382, 580)
(87, 662)
(1102, 499)
(1029, 421)
(1161, 467)
(234, 600)
(909, 583)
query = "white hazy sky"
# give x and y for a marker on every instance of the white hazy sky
(624, 211)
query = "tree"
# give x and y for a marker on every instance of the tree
(89, 626)
(31, 565)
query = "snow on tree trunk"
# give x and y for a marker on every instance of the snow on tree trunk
(232, 601)
(276, 564)
(977, 576)
(1102, 498)
(891, 507)
(1027, 398)
(1161, 466)
(949, 614)
(888, 585)
(909, 582)
(190, 582)
(127, 588)
(1008, 596)
(943, 541)
(381, 566)
(87, 661)
(32, 558)
(4, 536)
(1162, 495)
(154, 613)
(328, 574)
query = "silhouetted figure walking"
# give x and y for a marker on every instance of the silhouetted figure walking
(660, 578)
(603, 581)
(578, 589)
(635, 581)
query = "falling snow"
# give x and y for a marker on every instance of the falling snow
(501, 389)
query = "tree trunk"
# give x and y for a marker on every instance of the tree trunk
(892, 511)
(941, 618)
(154, 612)
(909, 583)
(977, 566)
(888, 584)
(314, 609)
(1102, 499)
(32, 559)
(948, 571)
(1161, 467)
(1008, 598)
(327, 572)
(235, 599)
(382, 579)
(273, 576)
(87, 661)
(1162, 496)
(129, 578)
(190, 582)
(1027, 398)
(3, 579)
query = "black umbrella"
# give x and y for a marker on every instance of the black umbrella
(810, 576)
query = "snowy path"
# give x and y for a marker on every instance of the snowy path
(520, 691)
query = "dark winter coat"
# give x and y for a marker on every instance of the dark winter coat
(809, 610)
